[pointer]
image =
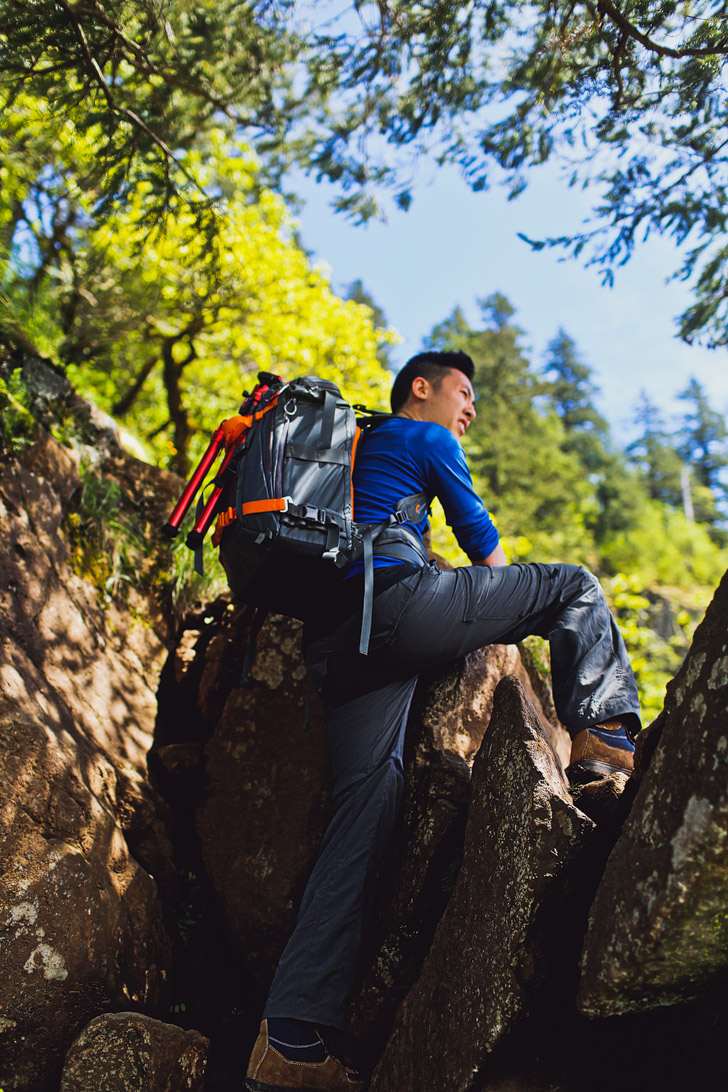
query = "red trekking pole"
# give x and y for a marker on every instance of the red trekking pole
(208, 513)
(228, 434)
(171, 527)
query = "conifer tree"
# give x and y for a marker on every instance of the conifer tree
(572, 391)
(526, 473)
(703, 440)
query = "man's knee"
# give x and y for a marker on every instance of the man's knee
(382, 784)
(578, 578)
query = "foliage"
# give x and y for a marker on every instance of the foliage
(655, 656)
(161, 323)
(686, 474)
(213, 313)
(18, 427)
(515, 441)
(664, 547)
(107, 547)
(571, 392)
(704, 442)
(629, 97)
(139, 79)
(189, 586)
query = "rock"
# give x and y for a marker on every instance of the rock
(658, 929)
(126, 1051)
(606, 801)
(265, 794)
(80, 921)
(494, 947)
(460, 702)
(449, 717)
(81, 925)
(261, 796)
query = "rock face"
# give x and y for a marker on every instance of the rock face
(492, 949)
(449, 718)
(658, 928)
(265, 798)
(258, 787)
(122, 1051)
(80, 919)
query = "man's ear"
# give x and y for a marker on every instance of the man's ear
(420, 387)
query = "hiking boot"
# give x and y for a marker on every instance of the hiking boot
(269, 1071)
(599, 751)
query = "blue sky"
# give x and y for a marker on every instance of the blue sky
(454, 246)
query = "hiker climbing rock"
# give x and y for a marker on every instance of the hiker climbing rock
(419, 616)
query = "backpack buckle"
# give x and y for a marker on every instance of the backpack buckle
(318, 515)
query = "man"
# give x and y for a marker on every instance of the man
(420, 617)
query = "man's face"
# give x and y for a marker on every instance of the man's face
(451, 405)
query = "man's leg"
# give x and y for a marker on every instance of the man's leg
(366, 732)
(454, 612)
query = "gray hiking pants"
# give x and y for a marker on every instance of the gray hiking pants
(427, 618)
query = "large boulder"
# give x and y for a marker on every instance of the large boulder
(658, 929)
(450, 714)
(80, 827)
(80, 921)
(265, 796)
(494, 948)
(257, 784)
(122, 1051)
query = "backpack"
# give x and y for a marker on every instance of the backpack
(284, 503)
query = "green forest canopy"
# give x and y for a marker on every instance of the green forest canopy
(629, 96)
(145, 246)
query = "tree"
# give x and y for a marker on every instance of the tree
(629, 97)
(141, 79)
(163, 324)
(571, 392)
(667, 472)
(704, 440)
(538, 492)
(654, 451)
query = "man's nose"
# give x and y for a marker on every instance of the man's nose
(470, 410)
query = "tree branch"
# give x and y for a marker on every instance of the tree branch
(654, 47)
(123, 111)
(124, 404)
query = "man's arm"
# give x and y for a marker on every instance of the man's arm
(497, 557)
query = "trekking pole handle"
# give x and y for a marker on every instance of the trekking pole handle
(171, 527)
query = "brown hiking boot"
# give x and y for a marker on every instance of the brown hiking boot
(269, 1071)
(599, 751)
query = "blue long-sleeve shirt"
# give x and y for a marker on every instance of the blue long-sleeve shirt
(401, 457)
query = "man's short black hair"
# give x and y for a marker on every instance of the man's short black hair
(431, 366)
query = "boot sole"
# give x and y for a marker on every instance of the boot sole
(254, 1085)
(589, 769)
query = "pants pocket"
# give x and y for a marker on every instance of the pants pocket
(388, 610)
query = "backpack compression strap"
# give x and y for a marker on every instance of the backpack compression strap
(393, 540)
(282, 504)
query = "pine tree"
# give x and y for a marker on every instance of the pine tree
(571, 391)
(536, 487)
(703, 441)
